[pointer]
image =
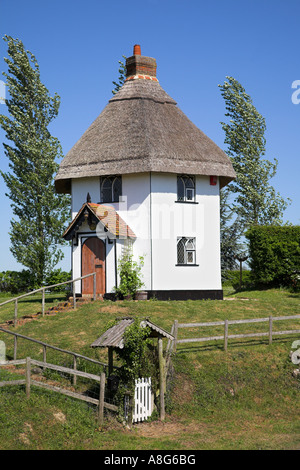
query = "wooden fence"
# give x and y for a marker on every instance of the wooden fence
(43, 290)
(28, 381)
(45, 346)
(226, 336)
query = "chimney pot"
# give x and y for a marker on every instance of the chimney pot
(137, 49)
(140, 65)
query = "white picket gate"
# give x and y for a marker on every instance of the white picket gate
(142, 400)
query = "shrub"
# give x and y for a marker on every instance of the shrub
(56, 277)
(275, 255)
(130, 275)
(232, 278)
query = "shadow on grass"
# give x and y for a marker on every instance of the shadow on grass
(61, 297)
(235, 344)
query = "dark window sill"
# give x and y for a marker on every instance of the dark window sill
(187, 264)
(187, 202)
(108, 202)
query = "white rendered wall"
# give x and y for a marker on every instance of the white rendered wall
(134, 208)
(135, 211)
(148, 206)
(171, 220)
(80, 188)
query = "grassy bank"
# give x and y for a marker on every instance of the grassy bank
(246, 398)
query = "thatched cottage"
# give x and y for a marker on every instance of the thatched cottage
(143, 174)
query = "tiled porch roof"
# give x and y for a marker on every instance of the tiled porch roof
(108, 217)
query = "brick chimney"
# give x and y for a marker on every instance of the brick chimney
(139, 66)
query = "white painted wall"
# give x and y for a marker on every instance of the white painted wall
(171, 220)
(148, 206)
(80, 188)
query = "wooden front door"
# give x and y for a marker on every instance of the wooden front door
(93, 260)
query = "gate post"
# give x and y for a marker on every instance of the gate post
(161, 378)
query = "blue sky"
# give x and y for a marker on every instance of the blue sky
(196, 45)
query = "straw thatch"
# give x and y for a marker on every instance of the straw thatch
(141, 130)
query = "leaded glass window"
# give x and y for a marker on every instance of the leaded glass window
(185, 188)
(111, 188)
(186, 251)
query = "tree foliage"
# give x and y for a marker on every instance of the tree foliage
(32, 152)
(275, 255)
(122, 76)
(230, 233)
(255, 200)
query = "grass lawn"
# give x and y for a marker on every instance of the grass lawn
(28, 305)
(246, 398)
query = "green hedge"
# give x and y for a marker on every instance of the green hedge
(21, 281)
(275, 255)
(232, 278)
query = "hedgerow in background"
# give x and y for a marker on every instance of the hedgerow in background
(275, 255)
(41, 213)
(57, 276)
(16, 282)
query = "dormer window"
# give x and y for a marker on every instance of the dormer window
(185, 188)
(110, 188)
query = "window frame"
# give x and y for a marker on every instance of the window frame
(184, 180)
(187, 251)
(112, 179)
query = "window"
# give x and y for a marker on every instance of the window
(110, 188)
(185, 188)
(186, 250)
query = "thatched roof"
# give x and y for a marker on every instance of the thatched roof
(141, 130)
(106, 215)
(114, 336)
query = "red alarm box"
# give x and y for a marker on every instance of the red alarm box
(213, 180)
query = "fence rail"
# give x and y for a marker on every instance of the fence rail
(43, 290)
(28, 381)
(45, 346)
(225, 323)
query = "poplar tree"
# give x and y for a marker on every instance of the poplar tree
(33, 153)
(255, 201)
(122, 76)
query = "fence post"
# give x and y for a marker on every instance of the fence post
(94, 286)
(28, 373)
(16, 313)
(270, 329)
(75, 368)
(44, 353)
(74, 296)
(101, 399)
(15, 347)
(175, 334)
(161, 378)
(225, 335)
(43, 302)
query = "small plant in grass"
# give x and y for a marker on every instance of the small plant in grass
(130, 275)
